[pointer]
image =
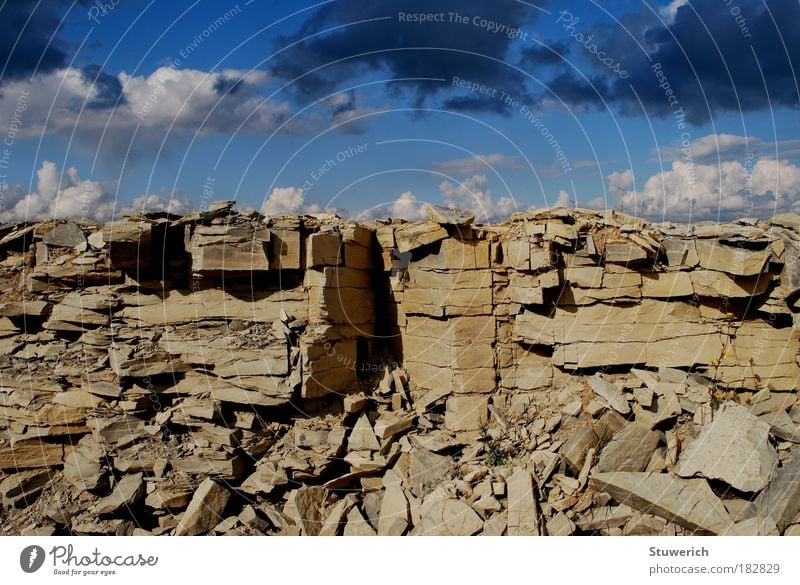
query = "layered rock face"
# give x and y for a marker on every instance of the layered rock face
(563, 372)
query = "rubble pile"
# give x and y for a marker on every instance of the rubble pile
(564, 372)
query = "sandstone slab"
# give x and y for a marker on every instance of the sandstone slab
(687, 502)
(733, 447)
(205, 510)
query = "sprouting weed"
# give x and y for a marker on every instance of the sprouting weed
(495, 454)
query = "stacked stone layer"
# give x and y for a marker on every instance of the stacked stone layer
(562, 372)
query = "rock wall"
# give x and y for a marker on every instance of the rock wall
(523, 305)
(229, 373)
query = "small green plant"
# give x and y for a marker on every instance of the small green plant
(495, 454)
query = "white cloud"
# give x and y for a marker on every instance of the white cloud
(620, 180)
(287, 200)
(669, 12)
(177, 204)
(563, 199)
(479, 163)
(406, 206)
(707, 191)
(184, 99)
(58, 196)
(64, 195)
(472, 195)
(714, 148)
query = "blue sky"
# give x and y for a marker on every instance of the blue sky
(680, 110)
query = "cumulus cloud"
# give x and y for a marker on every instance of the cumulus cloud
(406, 206)
(715, 147)
(480, 163)
(287, 200)
(92, 102)
(63, 195)
(563, 199)
(176, 203)
(471, 194)
(620, 180)
(728, 190)
(59, 195)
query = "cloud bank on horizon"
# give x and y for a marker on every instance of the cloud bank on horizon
(682, 110)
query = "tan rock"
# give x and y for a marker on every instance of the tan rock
(466, 413)
(218, 249)
(450, 518)
(580, 441)
(448, 215)
(605, 517)
(337, 518)
(31, 455)
(753, 527)
(324, 249)
(680, 253)
(585, 276)
(265, 479)
(610, 393)
(517, 254)
(205, 510)
(662, 285)
(21, 489)
(169, 497)
(560, 525)
(83, 467)
(394, 516)
(523, 513)
(362, 437)
(126, 493)
(285, 249)
(687, 502)
(357, 525)
(733, 447)
(427, 470)
(389, 425)
(24, 309)
(712, 283)
(411, 236)
(781, 500)
(631, 449)
(738, 261)
(456, 254)
(623, 252)
(305, 506)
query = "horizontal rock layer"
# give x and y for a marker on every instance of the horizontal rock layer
(562, 372)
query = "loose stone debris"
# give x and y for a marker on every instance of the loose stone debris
(565, 372)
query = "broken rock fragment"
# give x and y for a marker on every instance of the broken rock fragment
(687, 502)
(205, 510)
(733, 447)
(523, 514)
(450, 517)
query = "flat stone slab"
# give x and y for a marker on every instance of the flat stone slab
(687, 502)
(733, 447)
